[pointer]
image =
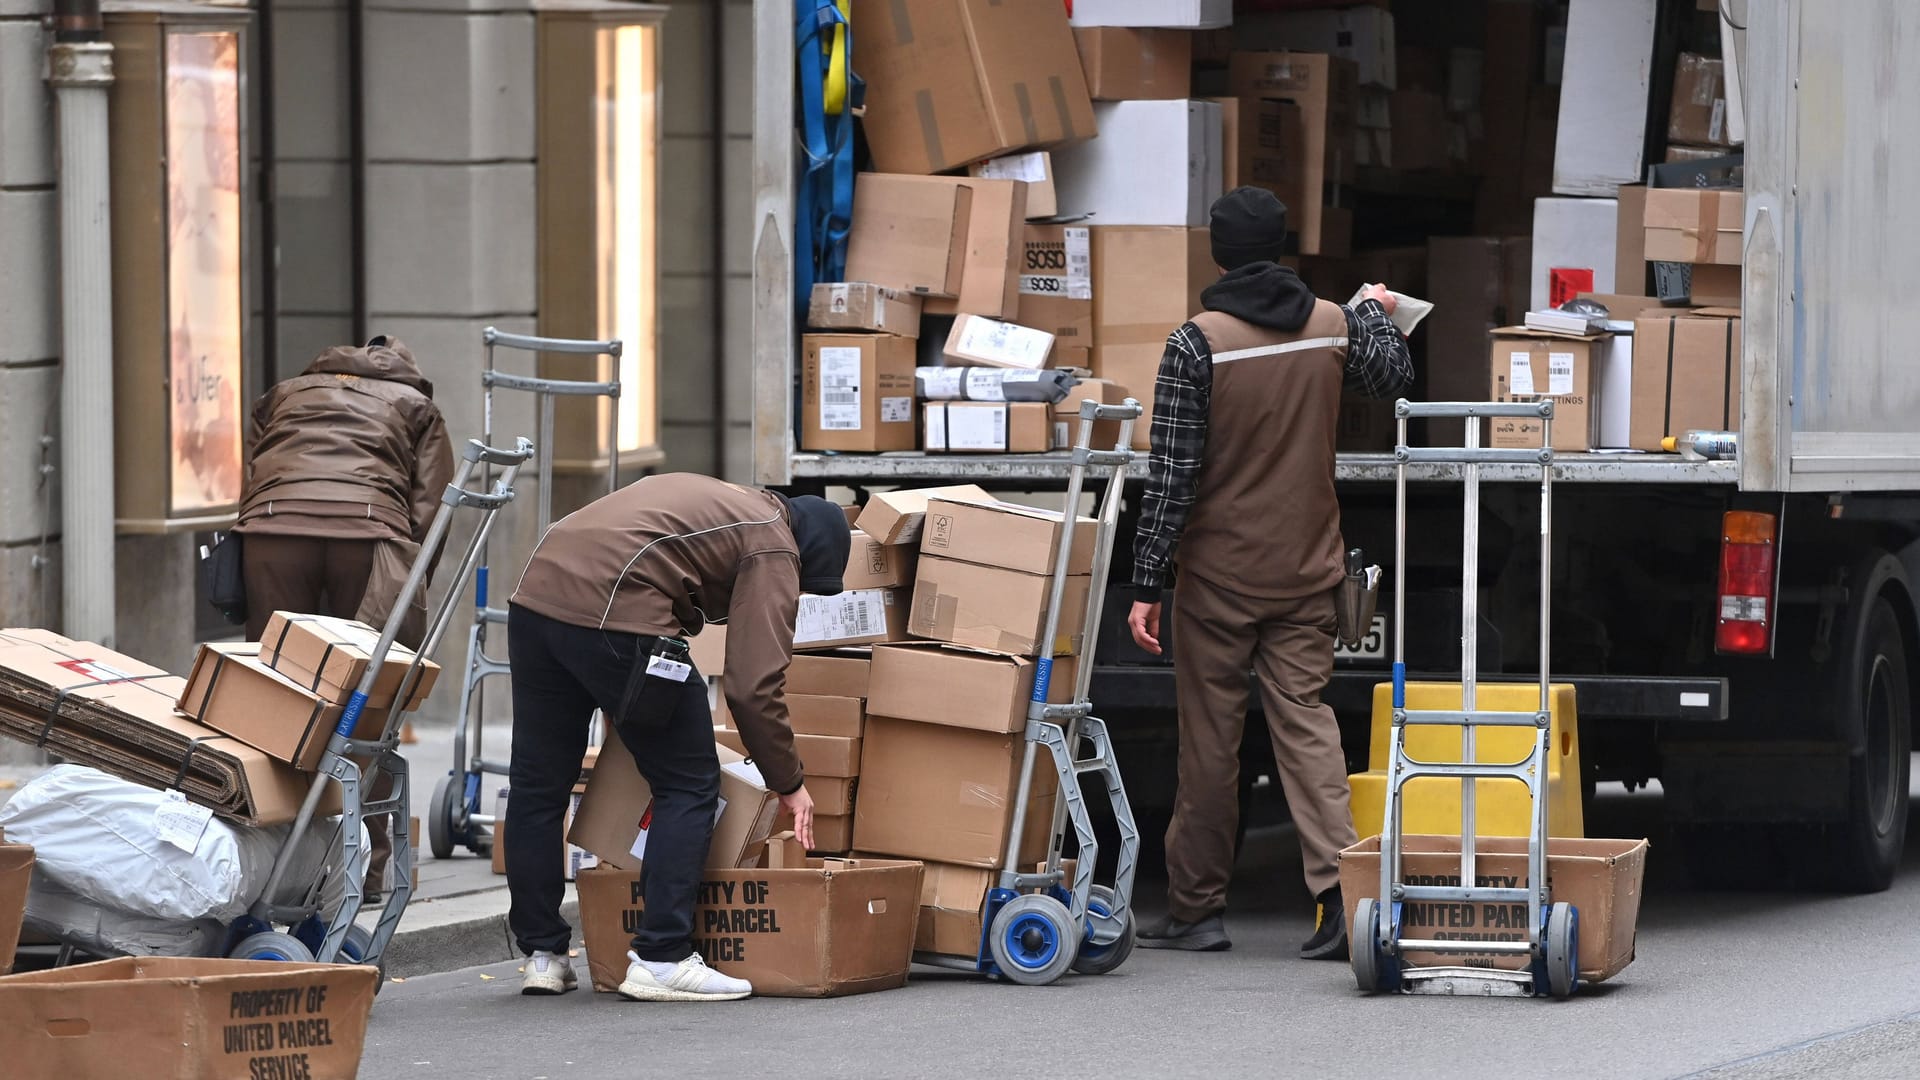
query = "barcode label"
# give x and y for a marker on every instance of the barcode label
(1560, 373)
(984, 384)
(856, 614)
(840, 389)
(1079, 265)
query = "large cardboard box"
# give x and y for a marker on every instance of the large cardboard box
(1056, 283)
(895, 517)
(1261, 139)
(959, 687)
(976, 339)
(1477, 284)
(858, 617)
(813, 714)
(827, 928)
(989, 608)
(1006, 535)
(1686, 374)
(873, 565)
(1691, 225)
(1362, 34)
(1574, 243)
(1035, 169)
(833, 756)
(1529, 365)
(16, 873)
(832, 833)
(1135, 369)
(616, 813)
(909, 236)
(1177, 14)
(974, 427)
(1699, 112)
(163, 1016)
(1602, 878)
(1132, 64)
(951, 82)
(841, 673)
(330, 656)
(862, 305)
(1325, 88)
(232, 690)
(1146, 282)
(1066, 414)
(1155, 163)
(856, 392)
(946, 794)
(989, 275)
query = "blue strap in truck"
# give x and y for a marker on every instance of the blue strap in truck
(829, 92)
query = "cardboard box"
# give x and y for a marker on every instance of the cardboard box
(617, 810)
(989, 608)
(1686, 374)
(1602, 878)
(1066, 414)
(985, 691)
(1178, 14)
(1034, 168)
(1325, 88)
(1056, 283)
(976, 339)
(330, 656)
(16, 873)
(1155, 163)
(812, 714)
(1714, 286)
(1529, 365)
(873, 565)
(1574, 243)
(945, 794)
(856, 392)
(1125, 63)
(909, 236)
(1477, 284)
(1630, 241)
(895, 517)
(957, 81)
(842, 673)
(784, 852)
(1363, 35)
(1699, 112)
(834, 756)
(861, 305)
(708, 650)
(1006, 535)
(1146, 282)
(1075, 358)
(1133, 368)
(832, 794)
(1261, 141)
(165, 1016)
(973, 427)
(1604, 89)
(232, 690)
(953, 905)
(832, 833)
(859, 617)
(989, 277)
(1691, 225)
(826, 929)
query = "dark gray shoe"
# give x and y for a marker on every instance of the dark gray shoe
(1329, 940)
(1167, 932)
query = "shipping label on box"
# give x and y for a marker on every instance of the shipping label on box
(1056, 282)
(852, 618)
(857, 392)
(1019, 427)
(1531, 366)
(1035, 169)
(979, 340)
(859, 305)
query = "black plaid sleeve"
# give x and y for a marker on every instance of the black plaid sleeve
(1180, 401)
(1378, 364)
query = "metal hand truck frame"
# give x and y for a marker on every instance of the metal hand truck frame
(357, 765)
(1551, 946)
(1037, 926)
(457, 817)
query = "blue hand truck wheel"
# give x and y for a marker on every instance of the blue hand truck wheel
(272, 945)
(1033, 940)
(1562, 941)
(1100, 959)
(1374, 969)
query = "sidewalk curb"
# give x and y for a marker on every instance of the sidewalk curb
(483, 939)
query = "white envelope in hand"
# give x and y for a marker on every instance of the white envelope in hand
(1407, 310)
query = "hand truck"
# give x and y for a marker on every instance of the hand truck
(1552, 943)
(354, 764)
(1036, 926)
(456, 817)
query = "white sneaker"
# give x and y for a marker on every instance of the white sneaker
(547, 973)
(689, 980)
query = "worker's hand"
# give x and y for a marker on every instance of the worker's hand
(1380, 293)
(800, 805)
(1144, 621)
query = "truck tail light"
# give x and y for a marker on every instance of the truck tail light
(1747, 563)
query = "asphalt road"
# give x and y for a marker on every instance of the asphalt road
(1744, 986)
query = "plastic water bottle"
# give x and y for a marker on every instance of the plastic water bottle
(1703, 445)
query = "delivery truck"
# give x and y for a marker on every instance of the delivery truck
(1742, 630)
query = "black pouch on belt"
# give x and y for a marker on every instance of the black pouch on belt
(653, 688)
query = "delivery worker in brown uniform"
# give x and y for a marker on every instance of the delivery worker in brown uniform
(1241, 483)
(596, 623)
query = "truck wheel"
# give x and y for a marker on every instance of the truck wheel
(1866, 852)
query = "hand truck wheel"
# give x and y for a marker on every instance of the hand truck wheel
(1033, 939)
(447, 797)
(1100, 959)
(1374, 970)
(272, 945)
(1562, 939)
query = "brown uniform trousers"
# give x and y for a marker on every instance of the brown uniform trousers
(1218, 635)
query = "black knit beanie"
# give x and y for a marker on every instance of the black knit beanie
(1248, 225)
(821, 532)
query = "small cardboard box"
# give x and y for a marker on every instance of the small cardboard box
(895, 517)
(330, 656)
(1692, 225)
(1686, 374)
(953, 905)
(1126, 63)
(1155, 163)
(832, 833)
(1056, 283)
(973, 427)
(166, 1016)
(1325, 88)
(969, 688)
(617, 811)
(989, 275)
(873, 565)
(1699, 112)
(1066, 414)
(231, 689)
(1261, 143)
(989, 608)
(832, 794)
(860, 305)
(856, 392)
(16, 873)
(945, 794)
(1602, 878)
(1528, 365)
(908, 235)
(841, 673)
(825, 929)
(976, 339)
(833, 756)
(1006, 535)
(1034, 168)
(860, 617)
(812, 714)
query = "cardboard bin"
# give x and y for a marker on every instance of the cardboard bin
(231, 689)
(16, 873)
(330, 656)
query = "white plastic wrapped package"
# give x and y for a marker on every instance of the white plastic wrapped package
(142, 852)
(103, 931)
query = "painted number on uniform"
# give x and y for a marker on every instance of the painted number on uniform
(840, 389)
